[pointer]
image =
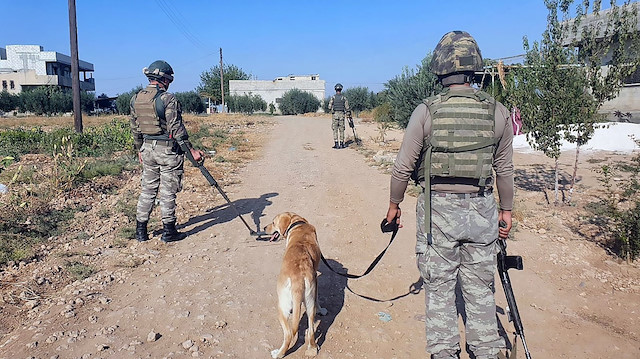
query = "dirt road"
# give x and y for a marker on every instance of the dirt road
(213, 294)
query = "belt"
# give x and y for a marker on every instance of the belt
(462, 195)
(168, 143)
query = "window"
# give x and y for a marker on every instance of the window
(633, 79)
(12, 85)
(4, 84)
(279, 100)
(313, 78)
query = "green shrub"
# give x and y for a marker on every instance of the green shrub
(296, 101)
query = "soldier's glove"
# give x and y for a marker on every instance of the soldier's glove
(350, 122)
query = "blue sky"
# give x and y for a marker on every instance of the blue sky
(357, 43)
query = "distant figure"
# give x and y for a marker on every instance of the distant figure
(516, 121)
(339, 106)
(157, 128)
(461, 135)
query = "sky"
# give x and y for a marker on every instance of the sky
(356, 43)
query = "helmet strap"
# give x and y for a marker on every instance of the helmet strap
(456, 78)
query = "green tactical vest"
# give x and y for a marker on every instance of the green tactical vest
(462, 137)
(146, 107)
(338, 103)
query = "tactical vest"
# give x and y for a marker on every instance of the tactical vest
(338, 103)
(462, 138)
(146, 106)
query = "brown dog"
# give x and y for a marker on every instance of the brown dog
(297, 282)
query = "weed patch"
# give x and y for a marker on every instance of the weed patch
(79, 270)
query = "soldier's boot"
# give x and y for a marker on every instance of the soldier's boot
(170, 233)
(141, 231)
(342, 145)
(336, 144)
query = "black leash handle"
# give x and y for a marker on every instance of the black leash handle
(386, 227)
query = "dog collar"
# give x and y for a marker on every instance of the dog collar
(286, 233)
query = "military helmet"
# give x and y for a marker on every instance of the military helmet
(158, 70)
(456, 52)
(338, 87)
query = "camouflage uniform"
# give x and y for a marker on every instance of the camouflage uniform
(162, 160)
(464, 219)
(338, 105)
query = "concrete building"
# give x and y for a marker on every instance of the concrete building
(272, 91)
(627, 99)
(26, 66)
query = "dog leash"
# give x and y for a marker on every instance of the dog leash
(386, 227)
(414, 288)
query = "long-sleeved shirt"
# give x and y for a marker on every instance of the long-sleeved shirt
(419, 128)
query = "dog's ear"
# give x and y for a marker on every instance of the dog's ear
(283, 220)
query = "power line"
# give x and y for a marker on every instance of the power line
(179, 21)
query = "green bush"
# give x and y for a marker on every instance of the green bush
(246, 103)
(123, 101)
(8, 102)
(296, 101)
(190, 102)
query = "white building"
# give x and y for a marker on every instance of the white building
(26, 66)
(272, 91)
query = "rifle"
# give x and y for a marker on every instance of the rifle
(353, 127)
(214, 183)
(506, 262)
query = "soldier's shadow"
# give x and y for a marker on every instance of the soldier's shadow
(225, 213)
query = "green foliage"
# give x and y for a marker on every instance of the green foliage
(619, 209)
(50, 100)
(190, 101)
(246, 103)
(79, 270)
(407, 90)
(94, 141)
(296, 101)
(325, 105)
(206, 140)
(210, 81)
(382, 113)
(8, 102)
(359, 98)
(123, 101)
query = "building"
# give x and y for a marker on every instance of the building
(23, 67)
(272, 91)
(627, 99)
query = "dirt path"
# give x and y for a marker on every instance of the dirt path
(213, 294)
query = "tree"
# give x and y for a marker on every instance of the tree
(296, 101)
(8, 102)
(210, 81)
(562, 87)
(407, 90)
(359, 99)
(190, 101)
(246, 103)
(123, 101)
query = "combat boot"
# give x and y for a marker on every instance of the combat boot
(342, 145)
(141, 231)
(170, 233)
(335, 144)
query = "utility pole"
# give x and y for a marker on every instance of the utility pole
(221, 82)
(75, 73)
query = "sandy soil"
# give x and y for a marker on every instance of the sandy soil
(213, 295)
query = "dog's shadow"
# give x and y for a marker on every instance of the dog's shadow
(225, 213)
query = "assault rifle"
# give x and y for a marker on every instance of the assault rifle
(506, 262)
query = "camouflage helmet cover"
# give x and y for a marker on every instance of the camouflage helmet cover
(338, 86)
(159, 69)
(457, 51)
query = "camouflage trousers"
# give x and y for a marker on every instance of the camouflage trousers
(337, 125)
(162, 170)
(463, 254)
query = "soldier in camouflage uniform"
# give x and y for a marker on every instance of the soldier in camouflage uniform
(339, 106)
(456, 140)
(157, 128)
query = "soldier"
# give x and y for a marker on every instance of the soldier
(157, 128)
(455, 139)
(339, 106)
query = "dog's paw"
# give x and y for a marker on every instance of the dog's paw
(311, 352)
(276, 354)
(322, 311)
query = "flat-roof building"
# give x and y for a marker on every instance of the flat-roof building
(26, 66)
(272, 91)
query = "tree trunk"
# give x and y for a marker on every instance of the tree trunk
(575, 173)
(556, 181)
